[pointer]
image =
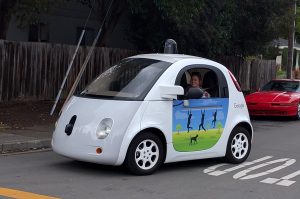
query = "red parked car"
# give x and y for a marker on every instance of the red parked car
(279, 97)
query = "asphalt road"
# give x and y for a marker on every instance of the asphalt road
(272, 171)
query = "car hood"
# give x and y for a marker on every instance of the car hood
(271, 96)
(89, 114)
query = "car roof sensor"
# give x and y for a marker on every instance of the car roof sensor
(170, 47)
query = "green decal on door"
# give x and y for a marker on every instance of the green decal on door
(198, 124)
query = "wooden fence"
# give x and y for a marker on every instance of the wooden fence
(251, 74)
(36, 70)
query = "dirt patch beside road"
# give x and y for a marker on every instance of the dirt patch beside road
(23, 114)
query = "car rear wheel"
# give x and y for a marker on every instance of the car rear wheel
(145, 154)
(238, 146)
(298, 113)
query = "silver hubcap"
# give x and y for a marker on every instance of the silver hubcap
(239, 145)
(298, 110)
(146, 154)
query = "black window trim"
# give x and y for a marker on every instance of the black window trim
(223, 92)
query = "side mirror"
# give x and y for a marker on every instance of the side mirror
(194, 93)
(171, 92)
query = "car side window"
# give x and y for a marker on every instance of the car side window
(202, 78)
(211, 83)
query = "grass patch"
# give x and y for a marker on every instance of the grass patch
(205, 140)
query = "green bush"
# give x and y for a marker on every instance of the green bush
(280, 74)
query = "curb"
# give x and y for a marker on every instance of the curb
(25, 146)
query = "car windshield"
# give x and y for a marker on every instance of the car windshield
(289, 86)
(131, 79)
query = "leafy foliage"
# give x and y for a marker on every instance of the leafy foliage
(212, 28)
(208, 28)
(30, 11)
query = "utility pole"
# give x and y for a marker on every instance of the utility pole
(291, 40)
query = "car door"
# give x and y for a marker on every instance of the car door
(198, 124)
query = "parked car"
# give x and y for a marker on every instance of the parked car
(137, 114)
(279, 97)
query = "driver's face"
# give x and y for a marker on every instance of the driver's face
(195, 82)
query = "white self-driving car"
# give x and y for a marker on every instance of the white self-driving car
(143, 112)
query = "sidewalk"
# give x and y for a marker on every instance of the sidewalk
(26, 125)
(30, 138)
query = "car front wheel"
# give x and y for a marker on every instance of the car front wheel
(238, 146)
(145, 154)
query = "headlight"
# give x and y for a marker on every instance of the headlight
(104, 128)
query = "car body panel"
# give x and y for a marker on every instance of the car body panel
(274, 103)
(131, 117)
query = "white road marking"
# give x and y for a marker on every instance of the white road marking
(283, 181)
(270, 180)
(213, 168)
(243, 174)
(213, 172)
(292, 175)
(286, 183)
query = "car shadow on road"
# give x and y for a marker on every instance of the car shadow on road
(191, 164)
(273, 118)
(73, 166)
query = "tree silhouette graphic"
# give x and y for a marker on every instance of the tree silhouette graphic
(178, 128)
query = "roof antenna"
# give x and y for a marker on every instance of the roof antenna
(170, 47)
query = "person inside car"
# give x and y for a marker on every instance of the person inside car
(196, 82)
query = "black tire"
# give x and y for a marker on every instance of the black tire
(145, 154)
(298, 113)
(238, 146)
